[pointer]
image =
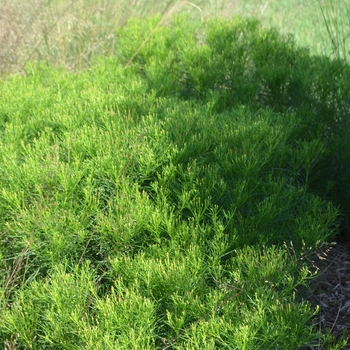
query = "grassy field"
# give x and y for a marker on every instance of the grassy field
(74, 33)
(173, 194)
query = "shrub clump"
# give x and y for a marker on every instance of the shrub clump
(171, 203)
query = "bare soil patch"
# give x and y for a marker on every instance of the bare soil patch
(331, 288)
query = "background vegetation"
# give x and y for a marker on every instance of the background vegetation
(171, 195)
(72, 33)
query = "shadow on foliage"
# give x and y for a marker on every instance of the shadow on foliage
(230, 64)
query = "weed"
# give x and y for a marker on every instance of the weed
(146, 201)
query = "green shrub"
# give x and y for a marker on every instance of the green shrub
(234, 63)
(151, 206)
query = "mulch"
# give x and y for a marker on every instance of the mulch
(331, 288)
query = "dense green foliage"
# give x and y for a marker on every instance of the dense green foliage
(241, 64)
(168, 201)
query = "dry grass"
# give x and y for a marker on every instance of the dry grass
(72, 33)
(69, 33)
(63, 33)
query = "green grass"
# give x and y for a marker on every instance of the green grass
(322, 25)
(171, 199)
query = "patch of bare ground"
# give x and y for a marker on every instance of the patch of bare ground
(331, 288)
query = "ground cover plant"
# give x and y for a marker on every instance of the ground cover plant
(170, 199)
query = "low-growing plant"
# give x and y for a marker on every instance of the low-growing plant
(238, 63)
(148, 203)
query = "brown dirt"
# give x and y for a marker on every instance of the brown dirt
(331, 288)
